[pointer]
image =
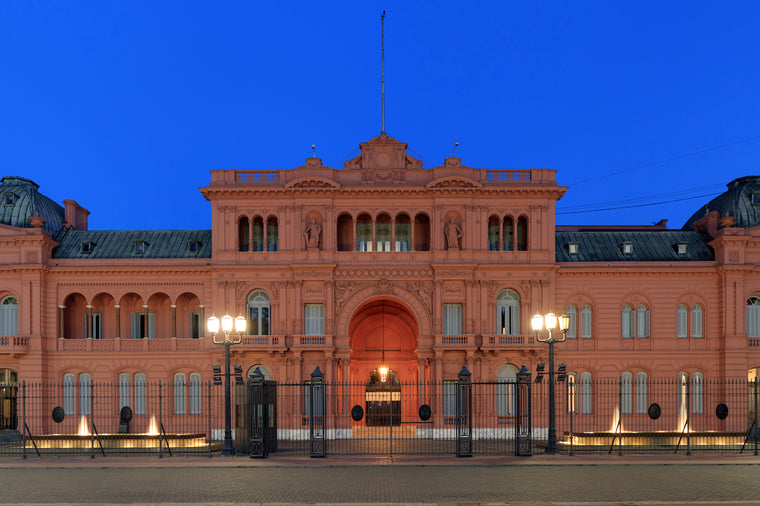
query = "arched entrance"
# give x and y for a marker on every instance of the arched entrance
(383, 334)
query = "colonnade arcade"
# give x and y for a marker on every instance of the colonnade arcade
(132, 316)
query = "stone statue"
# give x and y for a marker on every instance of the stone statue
(311, 234)
(453, 232)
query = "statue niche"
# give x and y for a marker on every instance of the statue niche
(312, 234)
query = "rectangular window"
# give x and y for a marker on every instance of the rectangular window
(139, 393)
(179, 394)
(314, 319)
(452, 319)
(449, 398)
(195, 394)
(195, 325)
(123, 390)
(138, 326)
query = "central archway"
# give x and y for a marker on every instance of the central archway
(383, 330)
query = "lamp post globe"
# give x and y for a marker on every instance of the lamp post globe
(240, 325)
(549, 322)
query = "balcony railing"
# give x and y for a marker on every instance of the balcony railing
(309, 341)
(14, 344)
(171, 344)
(754, 342)
(275, 343)
(508, 341)
(455, 341)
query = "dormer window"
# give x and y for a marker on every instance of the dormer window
(140, 247)
(627, 248)
(572, 248)
(755, 199)
(9, 199)
(681, 248)
(85, 247)
(193, 246)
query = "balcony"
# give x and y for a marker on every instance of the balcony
(133, 345)
(312, 342)
(14, 345)
(268, 343)
(496, 342)
(455, 341)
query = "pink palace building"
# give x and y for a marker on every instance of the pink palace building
(382, 260)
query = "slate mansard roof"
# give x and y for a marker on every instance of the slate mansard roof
(122, 244)
(649, 246)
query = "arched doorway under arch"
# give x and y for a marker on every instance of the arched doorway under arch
(383, 335)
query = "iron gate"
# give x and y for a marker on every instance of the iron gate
(457, 417)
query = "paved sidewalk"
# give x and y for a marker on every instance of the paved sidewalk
(539, 480)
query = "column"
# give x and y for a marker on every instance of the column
(88, 323)
(174, 321)
(118, 320)
(250, 233)
(202, 331)
(145, 325)
(393, 233)
(60, 322)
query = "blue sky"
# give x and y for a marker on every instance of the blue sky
(125, 107)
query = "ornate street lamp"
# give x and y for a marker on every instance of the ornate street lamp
(213, 327)
(549, 322)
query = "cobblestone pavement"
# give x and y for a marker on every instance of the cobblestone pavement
(533, 481)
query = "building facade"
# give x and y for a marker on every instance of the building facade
(381, 262)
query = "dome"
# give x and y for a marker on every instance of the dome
(740, 201)
(21, 200)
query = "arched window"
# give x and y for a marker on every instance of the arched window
(195, 393)
(243, 234)
(508, 313)
(506, 390)
(139, 394)
(586, 392)
(84, 394)
(272, 234)
(753, 316)
(179, 393)
(641, 392)
(697, 392)
(522, 233)
(642, 321)
(258, 314)
(572, 327)
(681, 400)
(507, 234)
(493, 233)
(124, 390)
(403, 232)
(626, 392)
(69, 395)
(696, 321)
(682, 320)
(9, 316)
(586, 322)
(627, 322)
(264, 370)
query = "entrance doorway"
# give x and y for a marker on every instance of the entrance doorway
(384, 370)
(8, 393)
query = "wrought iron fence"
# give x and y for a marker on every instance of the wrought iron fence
(90, 418)
(631, 414)
(635, 415)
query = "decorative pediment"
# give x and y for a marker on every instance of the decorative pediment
(383, 153)
(454, 182)
(312, 182)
